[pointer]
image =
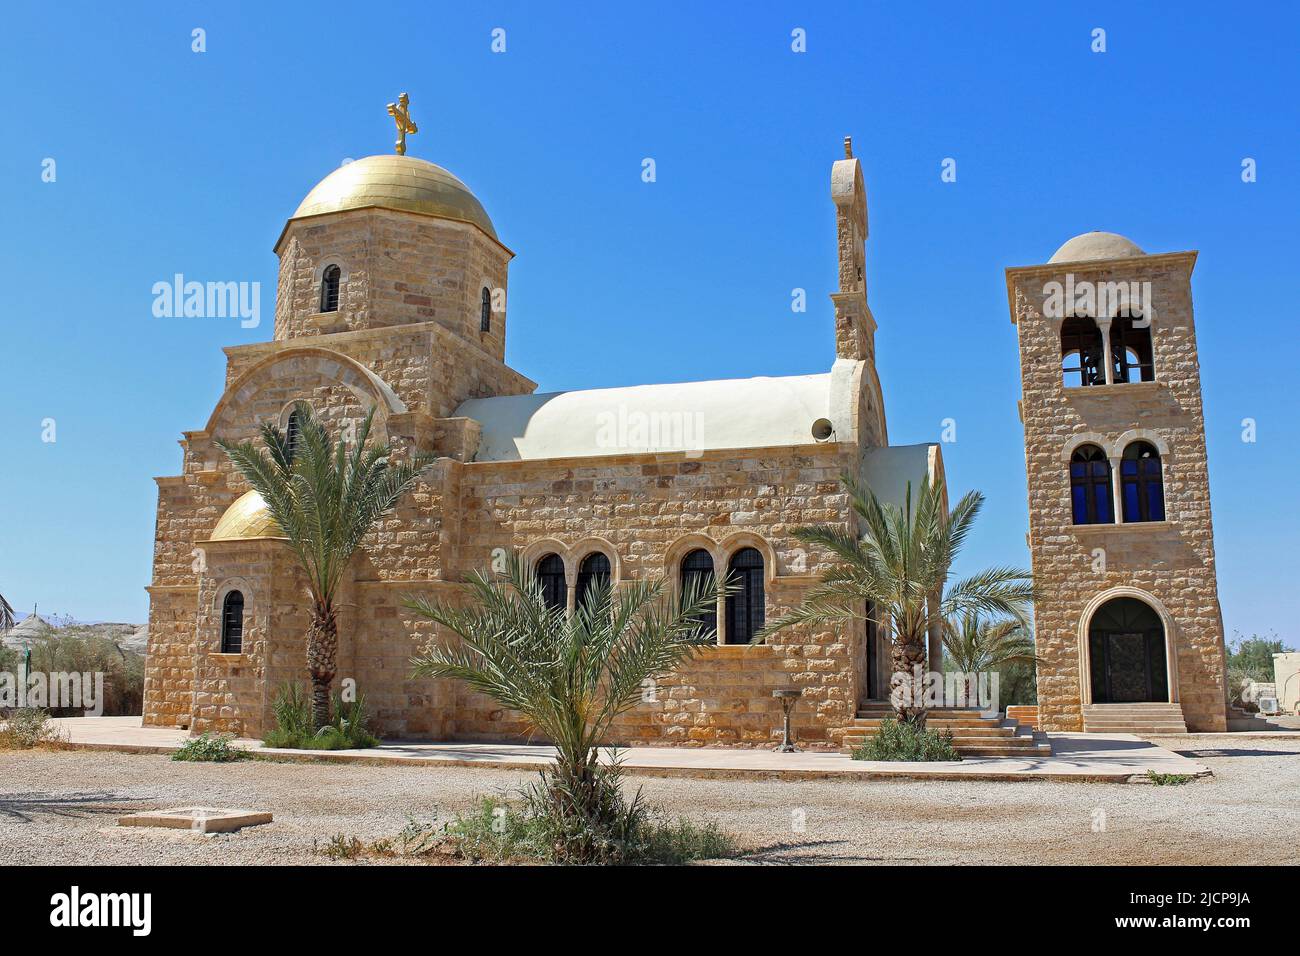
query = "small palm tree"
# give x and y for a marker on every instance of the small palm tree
(569, 675)
(976, 644)
(325, 499)
(6, 614)
(900, 565)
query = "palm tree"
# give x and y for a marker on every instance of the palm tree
(569, 675)
(325, 499)
(900, 564)
(6, 614)
(976, 644)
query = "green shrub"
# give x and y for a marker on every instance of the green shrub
(340, 847)
(1168, 779)
(906, 741)
(209, 748)
(546, 827)
(28, 727)
(346, 730)
(79, 648)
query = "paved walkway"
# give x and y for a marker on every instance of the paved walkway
(1111, 758)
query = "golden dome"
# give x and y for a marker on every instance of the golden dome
(248, 517)
(396, 182)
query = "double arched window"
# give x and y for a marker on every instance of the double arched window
(745, 607)
(550, 574)
(232, 623)
(592, 572)
(1091, 494)
(697, 571)
(1130, 349)
(485, 311)
(1142, 483)
(1083, 356)
(329, 288)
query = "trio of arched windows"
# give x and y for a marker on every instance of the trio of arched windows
(745, 611)
(1083, 351)
(1092, 485)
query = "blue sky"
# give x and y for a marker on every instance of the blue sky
(174, 161)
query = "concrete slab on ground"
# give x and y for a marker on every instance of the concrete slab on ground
(197, 819)
(1110, 758)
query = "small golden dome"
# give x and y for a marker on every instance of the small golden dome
(396, 182)
(248, 517)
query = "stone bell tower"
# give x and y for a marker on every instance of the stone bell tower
(1127, 619)
(855, 327)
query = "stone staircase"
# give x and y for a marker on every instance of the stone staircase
(1146, 719)
(973, 735)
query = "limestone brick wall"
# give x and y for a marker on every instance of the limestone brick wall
(1173, 561)
(428, 368)
(650, 510)
(169, 665)
(399, 268)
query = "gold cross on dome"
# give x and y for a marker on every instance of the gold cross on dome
(400, 112)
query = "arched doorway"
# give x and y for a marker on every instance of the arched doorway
(1126, 653)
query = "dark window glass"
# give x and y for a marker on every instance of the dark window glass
(550, 574)
(1090, 486)
(485, 312)
(329, 289)
(1082, 353)
(232, 623)
(1143, 483)
(293, 433)
(697, 569)
(873, 665)
(593, 570)
(1130, 350)
(745, 608)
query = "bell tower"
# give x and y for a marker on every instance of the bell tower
(1127, 621)
(855, 329)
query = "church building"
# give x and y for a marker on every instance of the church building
(392, 296)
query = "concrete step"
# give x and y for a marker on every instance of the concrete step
(933, 724)
(1139, 718)
(930, 714)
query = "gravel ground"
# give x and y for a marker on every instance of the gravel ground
(61, 808)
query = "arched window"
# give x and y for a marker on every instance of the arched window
(1091, 493)
(293, 432)
(232, 623)
(1126, 653)
(1142, 483)
(745, 608)
(329, 289)
(697, 569)
(1130, 349)
(1082, 353)
(594, 570)
(485, 311)
(550, 574)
